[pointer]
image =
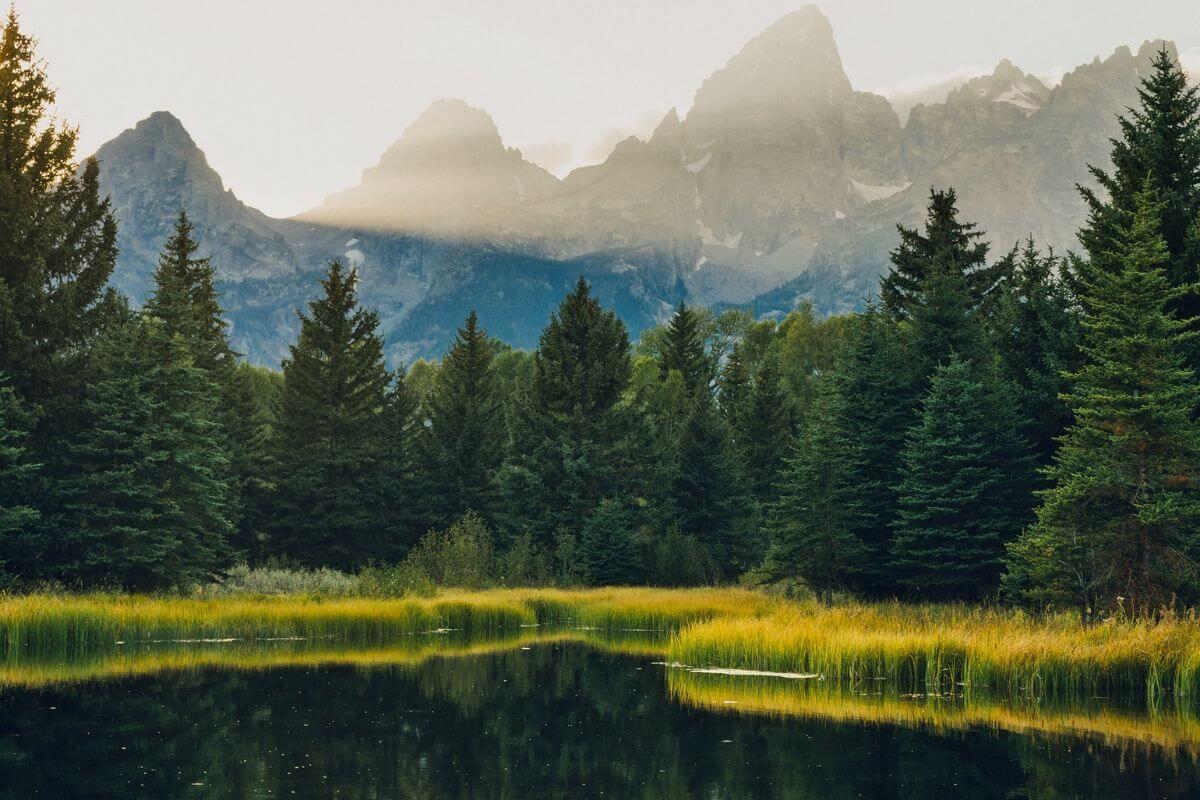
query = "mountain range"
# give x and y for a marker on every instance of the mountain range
(782, 184)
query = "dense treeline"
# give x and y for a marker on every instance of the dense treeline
(1024, 426)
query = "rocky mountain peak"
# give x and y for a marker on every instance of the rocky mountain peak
(791, 67)
(448, 129)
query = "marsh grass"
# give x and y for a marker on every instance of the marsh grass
(941, 648)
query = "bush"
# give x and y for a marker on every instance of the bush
(462, 556)
(275, 580)
(525, 565)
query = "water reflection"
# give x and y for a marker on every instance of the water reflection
(556, 720)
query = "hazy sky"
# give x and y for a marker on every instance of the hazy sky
(292, 99)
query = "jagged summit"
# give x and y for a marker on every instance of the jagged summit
(791, 66)
(449, 171)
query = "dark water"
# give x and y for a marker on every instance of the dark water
(552, 721)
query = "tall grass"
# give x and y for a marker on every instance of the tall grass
(939, 647)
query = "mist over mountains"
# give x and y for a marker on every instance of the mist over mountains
(781, 184)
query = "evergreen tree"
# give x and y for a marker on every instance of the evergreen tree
(734, 387)
(571, 435)
(405, 488)
(1160, 141)
(964, 490)
(683, 350)
(148, 505)
(249, 409)
(1035, 334)
(16, 474)
(764, 433)
(873, 375)
(466, 432)
(947, 247)
(331, 432)
(57, 251)
(1121, 516)
(813, 523)
(606, 546)
(711, 500)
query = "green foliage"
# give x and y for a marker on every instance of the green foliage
(965, 487)
(607, 550)
(1159, 142)
(679, 560)
(462, 556)
(683, 350)
(874, 377)
(331, 437)
(763, 432)
(813, 523)
(276, 581)
(147, 506)
(710, 499)
(1121, 516)
(947, 247)
(466, 432)
(16, 476)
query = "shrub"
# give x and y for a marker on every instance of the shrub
(276, 580)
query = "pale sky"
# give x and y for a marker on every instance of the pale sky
(292, 99)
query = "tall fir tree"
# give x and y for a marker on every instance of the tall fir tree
(466, 430)
(684, 350)
(607, 550)
(1159, 141)
(763, 433)
(873, 373)
(948, 246)
(331, 436)
(148, 504)
(813, 524)
(711, 500)
(404, 488)
(1121, 516)
(734, 386)
(1035, 335)
(17, 511)
(965, 489)
(571, 437)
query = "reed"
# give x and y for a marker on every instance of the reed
(940, 647)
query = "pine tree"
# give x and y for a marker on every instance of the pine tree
(16, 475)
(965, 488)
(606, 546)
(813, 524)
(331, 432)
(734, 387)
(873, 374)
(571, 437)
(466, 432)
(948, 246)
(248, 413)
(1035, 334)
(711, 501)
(147, 507)
(1160, 140)
(684, 350)
(1121, 516)
(764, 433)
(404, 488)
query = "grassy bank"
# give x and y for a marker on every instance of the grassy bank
(940, 648)
(925, 648)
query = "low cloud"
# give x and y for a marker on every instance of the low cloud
(556, 157)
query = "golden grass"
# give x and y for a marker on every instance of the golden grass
(947, 646)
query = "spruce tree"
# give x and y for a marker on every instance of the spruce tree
(16, 476)
(711, 500)
(683, 350)
(965, 488)
(466, 432)
(1121, 516)
(814, 522)
(405, 488)
(734, 387)
(607, 549)
(1035, 334)
(764, 432)
(948, 247)
(331, 438)
(148, 505)
(1160, 141)
(571, 435)
(873, 374)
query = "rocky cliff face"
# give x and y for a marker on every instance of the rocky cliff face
(782, 183)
